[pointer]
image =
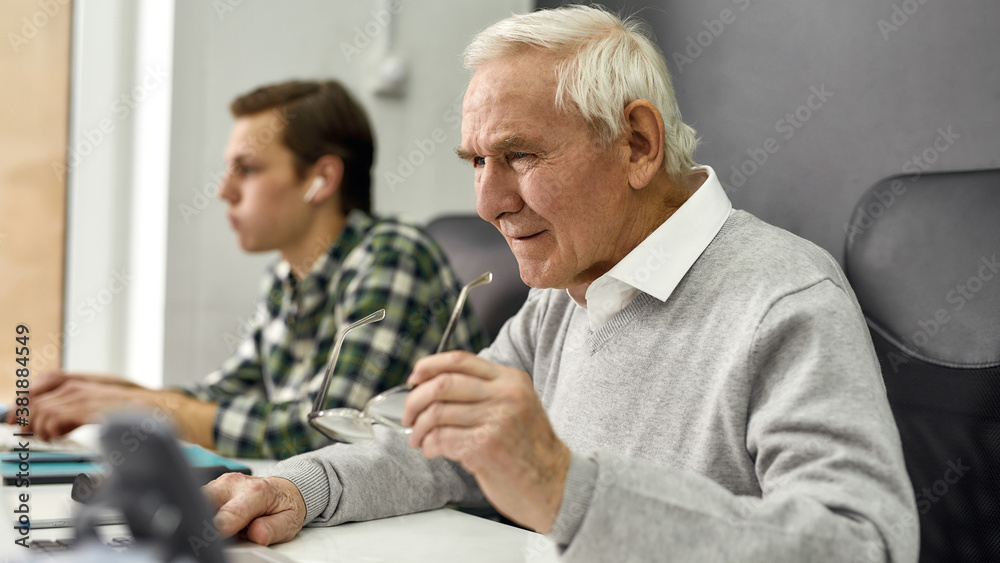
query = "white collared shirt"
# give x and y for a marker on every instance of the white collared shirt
(660, 261)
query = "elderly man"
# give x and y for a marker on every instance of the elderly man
(693, 384)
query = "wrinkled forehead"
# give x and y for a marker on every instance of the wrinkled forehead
(511, 90)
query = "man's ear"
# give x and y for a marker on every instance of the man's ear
(645, 142)
(330, 168)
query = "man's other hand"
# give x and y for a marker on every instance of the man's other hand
(76, 402)
(488, 418)
(269, 509)
(49, 381)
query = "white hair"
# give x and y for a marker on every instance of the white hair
(607, 63)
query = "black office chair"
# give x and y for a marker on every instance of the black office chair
(922, 256)
(474, 246)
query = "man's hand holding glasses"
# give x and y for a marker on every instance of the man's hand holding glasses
(483, 415)
(354, 426)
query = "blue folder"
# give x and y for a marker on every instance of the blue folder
(63, 467)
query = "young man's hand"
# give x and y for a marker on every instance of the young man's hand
(48, 381)
(62, 402)
(72, 402)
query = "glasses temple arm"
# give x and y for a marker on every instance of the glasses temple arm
(335, 355)
(457, 311)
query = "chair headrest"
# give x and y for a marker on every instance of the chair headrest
(474, 246)
(923, 256)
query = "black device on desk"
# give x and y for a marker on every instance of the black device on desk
(153, 484)
(155, 489)
(86, 486)
(157, 492)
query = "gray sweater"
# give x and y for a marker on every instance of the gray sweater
(744, 419)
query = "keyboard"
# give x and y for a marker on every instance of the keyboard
(80, 440)
(56, 546)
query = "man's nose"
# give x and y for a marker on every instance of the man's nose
(227, 189)
(497, 191)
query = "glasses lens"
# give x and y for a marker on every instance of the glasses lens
(343, 425)
(387, 407)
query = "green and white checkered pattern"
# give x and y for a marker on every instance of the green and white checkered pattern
(374, 264)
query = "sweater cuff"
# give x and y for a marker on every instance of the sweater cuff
(311, 481)
(579, 489)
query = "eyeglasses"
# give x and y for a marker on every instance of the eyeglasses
(386, 408)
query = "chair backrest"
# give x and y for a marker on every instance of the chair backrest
(923, 257)
(474, 246)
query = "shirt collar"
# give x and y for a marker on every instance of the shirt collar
(356, 226)
(660, 261)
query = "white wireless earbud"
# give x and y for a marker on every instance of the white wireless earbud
(316, 185)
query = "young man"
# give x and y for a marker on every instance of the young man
(299, 182)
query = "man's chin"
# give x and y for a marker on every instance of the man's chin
(535, 275)
(250, 246)
(539, 276)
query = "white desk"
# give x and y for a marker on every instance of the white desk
(436, 536)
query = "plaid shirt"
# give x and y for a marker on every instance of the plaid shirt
(268, 387)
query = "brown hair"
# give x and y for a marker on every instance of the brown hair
(320, 118)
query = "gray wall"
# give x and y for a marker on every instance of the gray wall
(894, 87)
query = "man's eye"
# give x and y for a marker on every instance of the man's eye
(478, 161)
(520, 154)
